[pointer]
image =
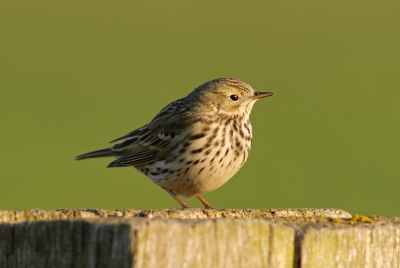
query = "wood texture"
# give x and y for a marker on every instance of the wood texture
(192, 213)
(366, 245)
(204, 238)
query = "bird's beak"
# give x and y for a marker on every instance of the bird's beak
(260, 95)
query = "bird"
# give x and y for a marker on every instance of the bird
(193, 145)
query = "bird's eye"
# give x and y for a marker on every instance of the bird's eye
(234, 97)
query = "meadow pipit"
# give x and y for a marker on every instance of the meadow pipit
(195, 144)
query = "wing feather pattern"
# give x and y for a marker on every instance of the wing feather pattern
(153, 141)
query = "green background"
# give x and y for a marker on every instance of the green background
(77, 74)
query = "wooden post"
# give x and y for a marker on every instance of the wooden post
(197, 238)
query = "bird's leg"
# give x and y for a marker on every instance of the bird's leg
(205, 203)
(183, 204)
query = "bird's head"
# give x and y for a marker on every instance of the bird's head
(228, 95)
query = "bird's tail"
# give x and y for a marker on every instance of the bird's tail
(95, 154)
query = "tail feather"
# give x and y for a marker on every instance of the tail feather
(95, 154)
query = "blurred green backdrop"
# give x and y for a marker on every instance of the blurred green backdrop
(77, 74)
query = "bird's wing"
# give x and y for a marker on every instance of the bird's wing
(151, 142)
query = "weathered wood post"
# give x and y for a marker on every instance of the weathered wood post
(197, 238)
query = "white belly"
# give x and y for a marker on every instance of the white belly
(205, 164)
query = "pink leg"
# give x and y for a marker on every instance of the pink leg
(183, 204)
(205, 203)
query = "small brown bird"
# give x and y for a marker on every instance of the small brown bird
(195, 144)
